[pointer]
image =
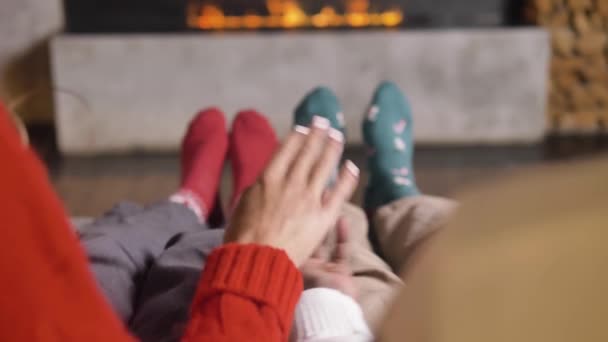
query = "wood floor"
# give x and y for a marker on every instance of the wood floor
(89, 186)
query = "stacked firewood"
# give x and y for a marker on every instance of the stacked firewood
(578, 91)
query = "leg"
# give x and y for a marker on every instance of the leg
(374, 279)
(122, 245)
(375, 282)
(167, 293)
(163, 305)
(388, 132)
(403, 217)
(401, 225)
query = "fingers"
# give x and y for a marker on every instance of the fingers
(342, 231)
(317, 254)
(346, 185)
(342, 252)
(328, 161)
(311, 149)
(282, 160)
(308, 156)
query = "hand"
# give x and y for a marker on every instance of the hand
(334, 273)
(289, 207)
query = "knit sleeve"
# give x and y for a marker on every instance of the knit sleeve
(48, 292)
(246, 293)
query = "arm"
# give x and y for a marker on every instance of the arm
(48, 293)
(246, 293)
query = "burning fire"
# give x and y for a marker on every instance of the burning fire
(289, 14)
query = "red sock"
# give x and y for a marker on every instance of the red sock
(252, 144)
(203, 153)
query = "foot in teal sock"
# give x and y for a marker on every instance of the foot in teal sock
(321, 101)
(387, 130)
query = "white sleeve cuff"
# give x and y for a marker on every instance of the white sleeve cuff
(326, 315)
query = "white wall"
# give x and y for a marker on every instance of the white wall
(25, 29)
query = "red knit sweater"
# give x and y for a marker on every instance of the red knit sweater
(246, 292)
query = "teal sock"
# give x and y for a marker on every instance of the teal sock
(387, 130)
(321, 101)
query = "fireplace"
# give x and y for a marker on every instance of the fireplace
(290, 14)
(150, 64)
(118, 16)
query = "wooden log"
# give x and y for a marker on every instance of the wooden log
(591, 44)
(579, 122)
(565, 81)
(599, 92)
(592, 75)
(598, 60)
(554, 114)
(596, 21)
(558, 19)
(543, 7)
(554, 121)
(566, 123)
(587, 121)
(563, 41)
(603, 117)
(601, 7)
(579, 5)
(560, 4)
(566, 64)
(581, 23)
(595, 69)
(569, 106)
(581, 98)
(558, 101)
(576, 123)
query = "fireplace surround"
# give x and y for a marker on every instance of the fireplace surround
(119, 93)
(129, 74)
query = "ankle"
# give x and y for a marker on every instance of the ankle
(191, 201)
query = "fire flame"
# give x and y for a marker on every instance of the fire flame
(289, 14)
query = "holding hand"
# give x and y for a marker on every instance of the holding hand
(334, 273)
(289, 207)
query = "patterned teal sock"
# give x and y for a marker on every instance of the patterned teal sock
(323, 102)
(387, 130)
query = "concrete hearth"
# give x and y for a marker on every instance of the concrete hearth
(118, 93)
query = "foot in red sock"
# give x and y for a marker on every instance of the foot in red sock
(203, 154)
(252, 145)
